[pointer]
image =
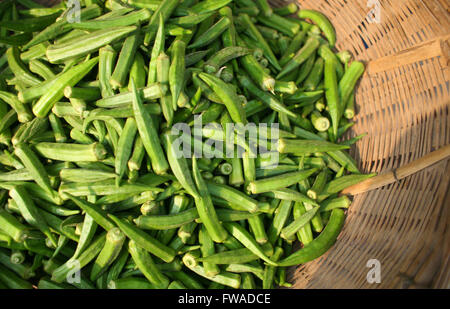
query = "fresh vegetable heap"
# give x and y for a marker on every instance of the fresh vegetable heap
(93, 191)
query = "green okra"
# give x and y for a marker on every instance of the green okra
(264, 97)
(92, 42)
(179, 165)
(211, 34)
(332, 203)
(158, 48)
(279, 182)
(12, 227)
(115, 239)
(57, 86)
(307, 146)
(177, 70)
(269, 271)
(62, 26)
(288, 9)
(34, 167)
(165, 9)
(208, 6)
(124, 61)
(41, 69)
(280, 23)
(342, 183)
(144, 240)
(30, 212)
(207, 249)
(107, 56)
(228, 97)
(60, 274)
(166, 222)
(132, 18)
(22, 111)
(106, 187)
(71, 152)
(305, 234)
(220, 58)
(233, 196)
(19, 69)
(124, 147)
(205, 207)
(147, 131)
(225, 278)
(258, 37)
(290, 230)
(163, 73)
(145, 263)
(311, 45)
(348, 82)
(12, 280)
(137, 156)
(322, 22)
(290, 195)
(85, 93)
(320, 244)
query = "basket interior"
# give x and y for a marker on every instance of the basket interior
(403, 105)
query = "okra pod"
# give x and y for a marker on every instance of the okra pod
(132, 18)
(301, 56)
(322, 22)
(12, 227)
(228, 97)
(205, 207)
(279, 182)
(225, 55)
(56, 90)
(144, 240)
(71, 152)
(225, 278)
(124, 61)
(319, 245)
(59, 53)
(147, 131)
(177, 70)
(124, 147)
(145, 263)
(158, 48)
(113, 244)
(30, 212)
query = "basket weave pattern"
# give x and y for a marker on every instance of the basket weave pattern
(403, 105)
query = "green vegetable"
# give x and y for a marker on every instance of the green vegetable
(95, 175)
(322, 21)
(319, 245)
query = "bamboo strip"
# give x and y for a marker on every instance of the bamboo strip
(400, 173)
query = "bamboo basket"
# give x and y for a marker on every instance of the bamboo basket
(401, 217)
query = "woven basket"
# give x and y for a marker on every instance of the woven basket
(403, 105)
(400, 218)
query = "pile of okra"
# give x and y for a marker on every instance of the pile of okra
(93, 193)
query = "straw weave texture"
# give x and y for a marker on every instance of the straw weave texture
(403, 105)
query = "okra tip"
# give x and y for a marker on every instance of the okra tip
(100, 151)
(189, 260)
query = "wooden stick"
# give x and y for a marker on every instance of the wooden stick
(430, 49)
(399, 173)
